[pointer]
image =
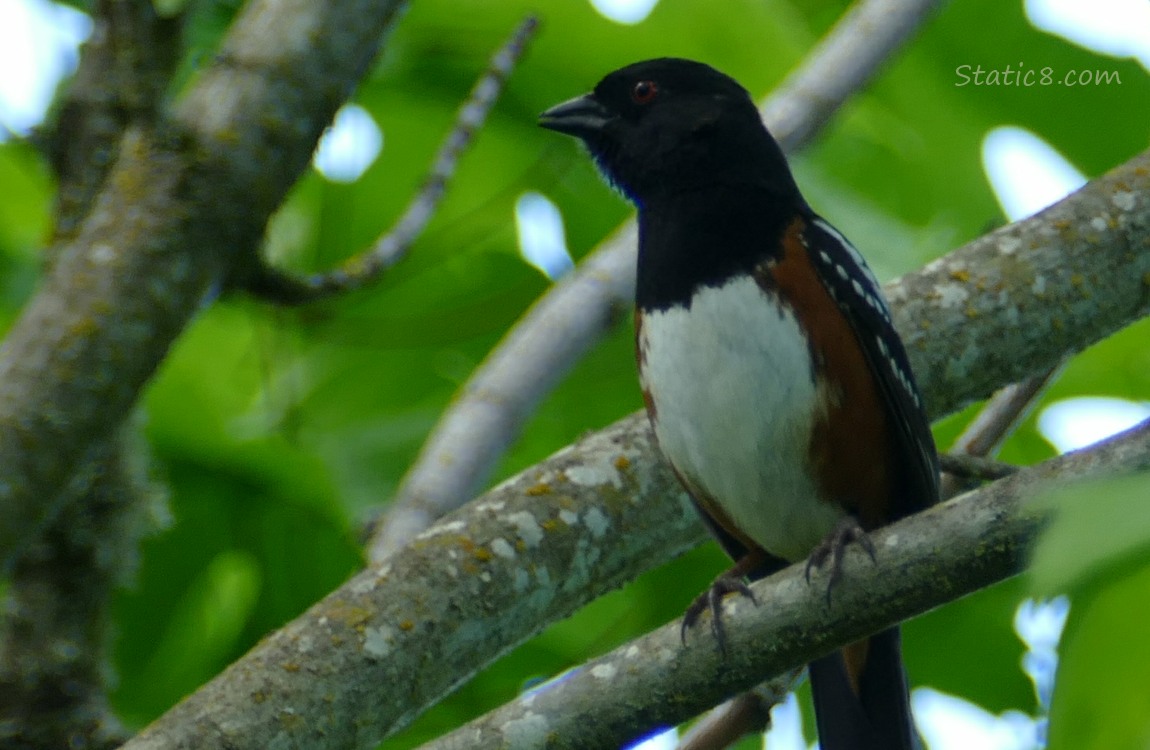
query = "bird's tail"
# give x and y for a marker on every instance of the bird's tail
(860, 695)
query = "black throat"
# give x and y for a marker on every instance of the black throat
(705, 236)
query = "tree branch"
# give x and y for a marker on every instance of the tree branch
(125, 67)
(55, 633)
(565, 323)
(184, 205)
(54, 639)
(281, 288)
(544, 543)
(923, 562)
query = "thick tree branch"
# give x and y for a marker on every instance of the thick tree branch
(1083, 265)
(544, 543)
(184, 205)
(565, 323)
(396, 638)
(124, 70)
(55, 633)
(923, 562)
(54, 642)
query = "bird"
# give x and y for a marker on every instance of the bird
(776, 385)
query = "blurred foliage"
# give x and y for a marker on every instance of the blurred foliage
(280, 431)
(1097, 548)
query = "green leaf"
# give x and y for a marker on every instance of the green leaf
(1101, 696)
(1099, 529)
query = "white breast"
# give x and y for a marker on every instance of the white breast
(731, 384)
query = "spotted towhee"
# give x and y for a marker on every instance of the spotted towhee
(777, 387)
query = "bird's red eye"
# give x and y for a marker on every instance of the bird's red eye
(644, 92)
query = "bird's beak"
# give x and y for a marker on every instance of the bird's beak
(581, 117)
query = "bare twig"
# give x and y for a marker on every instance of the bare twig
(565, 323)
(1001, 415)
(282, 288)
(967, 466)
(748, 712)
(997, 419)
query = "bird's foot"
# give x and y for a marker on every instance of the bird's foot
(730, 582)
(755, 563)
(833, 548)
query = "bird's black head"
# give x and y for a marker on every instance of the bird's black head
(672, 125)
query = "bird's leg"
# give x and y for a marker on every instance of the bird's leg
(729, 582)
(834, 546)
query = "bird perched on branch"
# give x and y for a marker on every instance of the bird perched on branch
(776, 385)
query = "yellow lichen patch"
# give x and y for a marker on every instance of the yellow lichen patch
(553, 523)
(960, 274)
(406, 625)
(291, 720)
(482, 554)
(1077, 279)
(291, 666)
(259, 696)
(83, 328)
(538, 489)
(622, 463)
(971, 312)
(349, 614)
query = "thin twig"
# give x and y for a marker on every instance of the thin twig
(997, 419)
(572, 317)
(966, 466)
(358, 271)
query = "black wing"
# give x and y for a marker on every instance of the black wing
(857, 292)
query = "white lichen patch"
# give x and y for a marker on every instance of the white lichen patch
(543, 576)
(443, 528)
(952, 295)
(632, 652)
(491, 506)
(603, 671)
(601, 468)
(569, 517)
(500, 547)
(363, 584)
(520, 580)
(597, 522)
(1099, 224)
(377, 641)
(102, 253)
(1038, 288)
(485, 577)
(1124, 200)
(527, 528)
(529, 730)
(1009, 245)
